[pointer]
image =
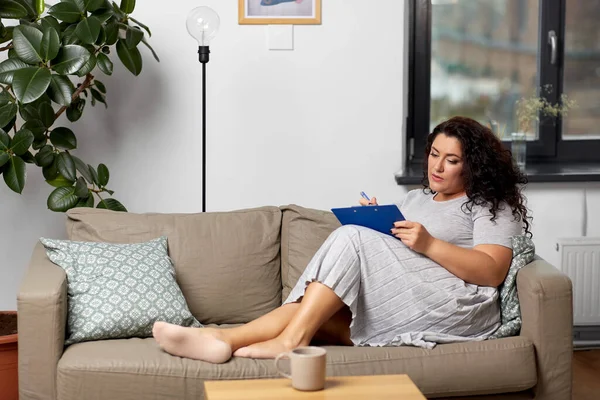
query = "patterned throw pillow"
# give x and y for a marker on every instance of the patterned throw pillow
(118, 290)
(510, 311)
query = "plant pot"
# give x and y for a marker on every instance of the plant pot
(9, 381)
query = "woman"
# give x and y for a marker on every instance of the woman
(436, 283)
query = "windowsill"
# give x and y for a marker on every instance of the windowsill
(536, 172)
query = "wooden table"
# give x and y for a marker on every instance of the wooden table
(337, 387)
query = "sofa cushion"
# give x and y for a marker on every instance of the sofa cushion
(303, 231)
(137, 369)
(118, 290)
(226, 263)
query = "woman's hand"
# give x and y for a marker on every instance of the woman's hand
(365, 202)
(413, 235)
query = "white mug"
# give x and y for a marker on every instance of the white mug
(307, 367)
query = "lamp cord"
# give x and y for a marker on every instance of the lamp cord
(203, 137)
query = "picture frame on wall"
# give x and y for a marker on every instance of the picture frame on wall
(288, 12)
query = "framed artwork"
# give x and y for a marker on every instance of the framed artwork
(288, 12)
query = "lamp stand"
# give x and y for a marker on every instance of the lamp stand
(203, 53)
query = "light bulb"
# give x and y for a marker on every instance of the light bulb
(203, 24)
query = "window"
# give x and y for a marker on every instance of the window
(478, 57)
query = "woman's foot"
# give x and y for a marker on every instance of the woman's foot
(269, 349)
(203, 344)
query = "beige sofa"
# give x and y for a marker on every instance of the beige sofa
(235, 266)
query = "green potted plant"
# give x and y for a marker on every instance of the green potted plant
(528, 111)
(49, 68)
(52, 62)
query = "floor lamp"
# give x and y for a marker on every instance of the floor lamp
(203, 24)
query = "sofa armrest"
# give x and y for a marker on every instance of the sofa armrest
(546, 299)
(42, 313)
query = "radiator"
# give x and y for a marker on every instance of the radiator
(580, 260)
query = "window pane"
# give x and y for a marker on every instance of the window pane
(582, 69)
(483, 59)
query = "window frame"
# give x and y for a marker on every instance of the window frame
(550, 148)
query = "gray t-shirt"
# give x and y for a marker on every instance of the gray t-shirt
(450, 222)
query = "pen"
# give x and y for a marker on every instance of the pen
(363, 194)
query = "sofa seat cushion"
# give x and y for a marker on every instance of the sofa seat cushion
(226, 263)
(138, 369)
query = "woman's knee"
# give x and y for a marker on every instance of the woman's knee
(347, 231)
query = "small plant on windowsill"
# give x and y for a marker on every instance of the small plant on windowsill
(49, 68)
(529, 109)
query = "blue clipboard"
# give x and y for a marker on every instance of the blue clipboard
(379, 218)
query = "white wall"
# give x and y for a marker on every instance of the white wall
(313, 126)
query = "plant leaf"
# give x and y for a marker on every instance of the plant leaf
(89, 202)
(4, 140)
(28, 157)
(94, 175)
(6, 34)
(50, 43)
(151, 49)
(101, 37)
(131, 58)
(21, 142)
(4, 98)
(69, 37)
(100, 86)
(50, 22)
(61, 199)
(66, 166)
(63, 138)
(29, 6)
(81, 188)
(15, 174)
(8, 68)
(88, 30)
(46, 114)
(112, 33)
(39, 143)
(70, 59)
(111, 204)
(7, 113)
(4, 143)
(60, 90)
(83, 169)
(88, 66)
(45, 156)
(36, 127)
(98, 96)
(93, 5)
(4, 157)
(103, 14)
(66, 12)
(30, 83)
(12, 9)
(27, 43)
(141, 25)
(51, 171)
(105, 64)
(103, 175)
(59, 181)
(133, 36)
(127, 6)
(78, 3)
(75, 109)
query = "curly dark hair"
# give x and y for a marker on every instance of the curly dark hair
(489, 174)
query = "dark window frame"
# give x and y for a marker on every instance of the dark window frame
(550, 148)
